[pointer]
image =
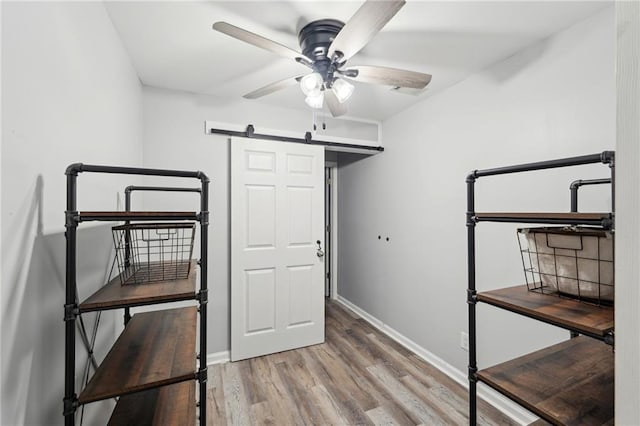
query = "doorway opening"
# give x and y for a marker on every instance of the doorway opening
(331, 228)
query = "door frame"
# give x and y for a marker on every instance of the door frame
(333, 247)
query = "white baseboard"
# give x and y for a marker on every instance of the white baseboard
(218, 358)
(500, 402)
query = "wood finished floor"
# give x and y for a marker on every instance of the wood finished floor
(358, 376)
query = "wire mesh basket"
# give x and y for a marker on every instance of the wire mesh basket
(574, 261)
(151, 252)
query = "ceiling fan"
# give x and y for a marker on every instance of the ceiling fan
(327, 45)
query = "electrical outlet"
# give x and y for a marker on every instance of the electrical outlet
(464, 340)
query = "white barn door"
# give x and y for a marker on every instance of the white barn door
(277, 264)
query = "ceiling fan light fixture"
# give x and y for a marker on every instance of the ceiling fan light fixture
(315, 100)
(311, 84)
(342, 89)
(325, 47)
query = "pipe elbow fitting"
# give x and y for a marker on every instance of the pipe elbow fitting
(575, 184)
(73, 169)
(203, 177)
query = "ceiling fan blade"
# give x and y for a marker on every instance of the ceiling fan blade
(390, 76)
(335, 107)
(273, 87)
(363, 26)
(256, 40)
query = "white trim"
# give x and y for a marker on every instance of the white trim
(218, 358)
(503, 404)
(377, 123)
(352, 141)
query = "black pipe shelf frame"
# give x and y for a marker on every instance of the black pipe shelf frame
(178, 387)
(594, 323)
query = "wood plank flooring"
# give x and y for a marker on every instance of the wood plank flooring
(359, 376)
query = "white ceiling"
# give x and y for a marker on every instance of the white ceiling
(173, 46)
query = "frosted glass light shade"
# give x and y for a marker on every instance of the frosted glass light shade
(311, 84)
(316, 100)
(342, 89)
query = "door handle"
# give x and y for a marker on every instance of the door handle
(320, 253)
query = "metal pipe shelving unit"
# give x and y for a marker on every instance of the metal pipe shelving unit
(114, 296)
(594, 322)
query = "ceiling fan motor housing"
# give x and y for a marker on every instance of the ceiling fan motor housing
(315, 39)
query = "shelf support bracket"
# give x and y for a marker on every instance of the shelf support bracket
(203, 218)
(202, 376)
(203, 297)
(71, 219)
(472, 297)
(609, 338)
(607, 223)
(71, 311)
(473, 377)
(70, 405)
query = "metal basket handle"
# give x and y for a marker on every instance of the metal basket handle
(162, 236)
(558, 246)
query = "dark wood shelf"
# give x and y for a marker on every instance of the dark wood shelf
(115, 295)
(549, 218)
(569, 383)
(120, 215)
(167, 405)
(155, 349)
(571, 314)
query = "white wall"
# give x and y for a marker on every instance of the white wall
(554, 99)
(69, 94)
(174, 138)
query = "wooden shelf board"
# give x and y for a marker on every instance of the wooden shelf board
(115, 295)
(155, 349)
(566, 384)
(572, 314)
(167, 405)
